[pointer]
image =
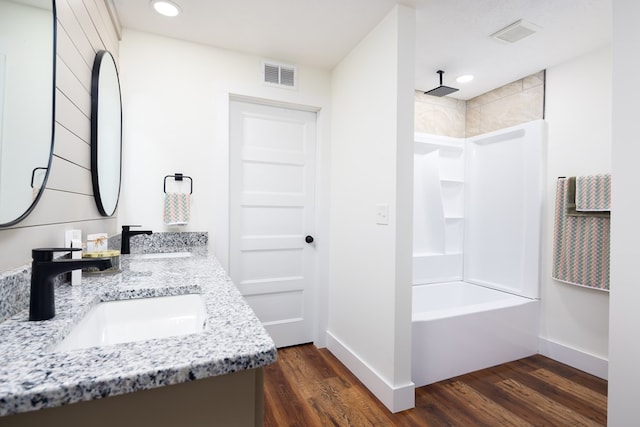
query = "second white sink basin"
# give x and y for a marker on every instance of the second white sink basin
(116, 322)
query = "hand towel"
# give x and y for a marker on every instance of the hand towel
(580, 245)
(176, 208)
(571, 203)
(593, 193)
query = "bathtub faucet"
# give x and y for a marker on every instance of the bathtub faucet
(44, 270)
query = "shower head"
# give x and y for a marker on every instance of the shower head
(441, 90)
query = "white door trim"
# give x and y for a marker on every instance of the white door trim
(219, 241)
(311, 288)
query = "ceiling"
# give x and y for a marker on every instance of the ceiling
(451, 35)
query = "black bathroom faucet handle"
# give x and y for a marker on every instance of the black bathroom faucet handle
(46, 254)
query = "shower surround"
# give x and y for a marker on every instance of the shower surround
(477, 226)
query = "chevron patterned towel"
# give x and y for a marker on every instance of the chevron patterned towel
(593, 193)
(176, 208)
(580, 245)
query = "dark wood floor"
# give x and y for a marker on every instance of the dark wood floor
(310, 387)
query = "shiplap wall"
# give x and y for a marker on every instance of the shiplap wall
(83, 28)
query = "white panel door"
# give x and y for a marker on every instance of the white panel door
(272, 158)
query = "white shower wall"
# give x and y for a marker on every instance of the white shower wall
(438, 209)
(478, 208)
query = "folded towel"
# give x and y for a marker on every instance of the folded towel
(176, 208)
(580, 245)
(571, 203)
(593, 193)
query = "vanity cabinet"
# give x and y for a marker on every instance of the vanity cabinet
(209, 378)
(228, 400)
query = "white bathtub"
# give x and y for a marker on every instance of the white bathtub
(459, 327)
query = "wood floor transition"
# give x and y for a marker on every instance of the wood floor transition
(310, 387)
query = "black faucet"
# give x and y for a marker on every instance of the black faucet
(44, 270)
(125, 248)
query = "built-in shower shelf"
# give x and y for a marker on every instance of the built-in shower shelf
(438, 254)
(440, 168)
(424, 143)
(428, 254)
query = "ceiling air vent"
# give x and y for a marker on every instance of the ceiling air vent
(516, 31)
(281, 75)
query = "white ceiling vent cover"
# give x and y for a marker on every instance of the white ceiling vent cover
(516, 31)
(281, 75)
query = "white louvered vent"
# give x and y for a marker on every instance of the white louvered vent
(281, 75)
(516, 31)
(271, 74)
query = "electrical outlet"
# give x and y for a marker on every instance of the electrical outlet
(382, 214)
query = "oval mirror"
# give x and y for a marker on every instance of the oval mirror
(106, 133)
(27, 117)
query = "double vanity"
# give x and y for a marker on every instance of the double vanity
(185, 349)
(106, 363)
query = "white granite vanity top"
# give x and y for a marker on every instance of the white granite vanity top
(33, 376)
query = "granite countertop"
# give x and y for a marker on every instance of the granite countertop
(34, 376)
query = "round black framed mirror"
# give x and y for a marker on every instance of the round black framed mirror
(27, 104)
(106, 133)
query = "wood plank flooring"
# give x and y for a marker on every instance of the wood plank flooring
(310, 387)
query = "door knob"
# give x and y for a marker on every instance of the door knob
(308, 239)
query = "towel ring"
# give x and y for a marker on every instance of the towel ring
(178, 177)
(33, 174)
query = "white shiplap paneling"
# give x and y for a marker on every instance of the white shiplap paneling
(71, 117)
(45, 236)
(100, 16)
(68, 83)
(72, 58)
(69, 207)
(83, 28)
(68, 21)
(69, 146)
(86, 23)
(69, 177)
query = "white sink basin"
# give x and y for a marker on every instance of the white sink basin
(163, 255)
(116, 322)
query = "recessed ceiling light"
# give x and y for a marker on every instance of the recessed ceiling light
(165, 7)
(465, 78)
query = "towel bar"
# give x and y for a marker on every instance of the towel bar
(178, 177)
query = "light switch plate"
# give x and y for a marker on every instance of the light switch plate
(382, 214)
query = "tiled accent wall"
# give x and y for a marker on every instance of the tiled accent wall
(518, 102)
(439, 116)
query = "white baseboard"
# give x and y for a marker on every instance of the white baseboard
(594, 365)
(396, 398)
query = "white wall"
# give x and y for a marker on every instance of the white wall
(574, 320)
(176, 119)
(372, 163)
(84, 27)
(624, 346)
